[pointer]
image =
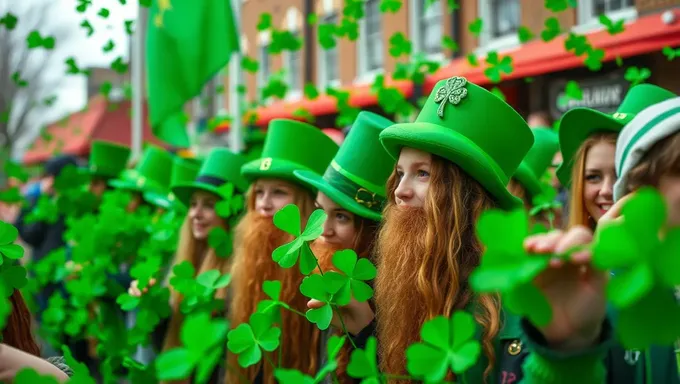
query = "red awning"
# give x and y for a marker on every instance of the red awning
(644, 35)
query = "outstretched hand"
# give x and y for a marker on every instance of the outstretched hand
(355, 315)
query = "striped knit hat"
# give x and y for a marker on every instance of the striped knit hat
(647, 128)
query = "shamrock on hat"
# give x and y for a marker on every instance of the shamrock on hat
(357, 175)
(184, 170)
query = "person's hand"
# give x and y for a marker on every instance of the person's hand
(575, 291)
(134, 288)
(355, 315)
(614, 213)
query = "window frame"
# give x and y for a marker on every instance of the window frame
(488, 43)
(416, 17)
(587, 21)
(365, 75)
(323, 80)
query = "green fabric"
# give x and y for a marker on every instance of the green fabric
(107, 159)
(537, 160)
(220, 167)
(643, 131)
(186, 46)
(356, 178)
(152, 173)
(579, 123)
(183, 171)
(472, 128)
(289, 146)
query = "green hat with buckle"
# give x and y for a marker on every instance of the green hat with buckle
(356, 178)
(151, 174)
(107, 159)
(291, 145)
(184, 170)
(221, 167)
(537, 161)
(471, 127)
(579, 123)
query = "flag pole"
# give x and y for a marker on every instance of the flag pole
(137, 86)
(236, 129)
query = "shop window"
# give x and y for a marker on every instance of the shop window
(426, 27)
(589, 11)
(501, 23)
(371, 41)
(265, 65)
(293, 69)
(328, 69)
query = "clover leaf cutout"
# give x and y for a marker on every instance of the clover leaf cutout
(351, 283)
(447, 344)
(316, 287)
(8, 235)
(288, 220)
(363, 363)
(248, 340)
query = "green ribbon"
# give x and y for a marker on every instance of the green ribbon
(364, 194)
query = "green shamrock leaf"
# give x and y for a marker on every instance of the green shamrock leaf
(220, 240)
(81, 375)
(304, 114)
(560, 5)
(612, 27)
(333, 347)
(288, 220)
(265, 21)
(505, 264)
(399, 45)
(363, 363)
(315, 287)
(271, 307)
(573, 90)
(670, 53)
(497, 67)
(552, 29)
(594, 59)
(72, 67)
(475, 27)
(104, 13)
(174, 364)
(16, 78)
(634, 249)
(88, 27)
(327, 33)
(496, 91)
(30, 376)
(524, 34)
(213, 280)
(526, 300)
(109, 46)
(16, 171)
(447, 344)
(5, 305)
(119, 65)
(248, 340)
(652, 320)
(128, 302)
(9, 21)
(128, 27)
(449, 44)
(292, 376)
(637, 75)
(472, 60)
(8, 235)
(311, 92)
(352, 282)
(577, 43)
(249, 64)
(391, 6)
(35, 40)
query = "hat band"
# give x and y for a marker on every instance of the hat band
(361, 195)
(211, 180)
(646, 128)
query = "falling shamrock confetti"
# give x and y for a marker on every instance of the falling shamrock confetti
(475, 27)
(552, 29)
(524, 34)
(390, 6)
(36, 40)
(497, 66)
(612, 27)
(288, 220)
(447, 344)
(637, 75)
(560, 5)
(9, 21)
(8, 235)
(671, 53)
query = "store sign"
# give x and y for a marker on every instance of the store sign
(604, 95)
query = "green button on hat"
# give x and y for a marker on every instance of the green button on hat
(220, 167)
(537, 161)
(471, 127)
(356, 178)
(107, 160)
(183, 171)
(579, 123)
(289, 146)
(152, 173)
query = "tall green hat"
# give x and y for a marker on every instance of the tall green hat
(356, 177)
(183, 171)
(151, 174)
(222, 166)
(537, 161)
(289, 146)
(579, 123)
(107, 159)
(471, 127)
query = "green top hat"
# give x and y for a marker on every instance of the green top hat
(289, 146)
(220, 167)
(537, 161)
(579, 123)
(152, 173)
(183, 171)
(472, 128)
(356, 177)
(107, 159)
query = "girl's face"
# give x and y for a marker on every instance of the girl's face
(413, 171)
(340, 227)
(599, 179)
(202, 214)
(271, 195)
(669, 186)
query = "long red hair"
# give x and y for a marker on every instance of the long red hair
(18, 331)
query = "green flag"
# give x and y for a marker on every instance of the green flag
(187, 43)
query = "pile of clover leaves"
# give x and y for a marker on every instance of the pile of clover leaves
(638, 248)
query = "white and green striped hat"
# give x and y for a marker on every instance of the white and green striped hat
(650, 126)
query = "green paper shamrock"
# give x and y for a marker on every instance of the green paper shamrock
(573, 90)
(497, 66)
(452, 5)
(524, 34)
(232, 204)
(635, 250)
(109, 46)
(450, 44)
(637, 75)
(72, 67)
(16, 171)
(30, 376)
(552, 29)
(128, 27)
(363, 363)
(104, 13)
(327, 35)
(288, 220)
(560, 5)
(316, 287)
(220, 241)
(391, 6)
(310, 91)
(612, 27)
(35, 40)
(119, 65)
(265, 21)
(83, 5)
(577, 44)
(472, 59)
(16, 78)
(447, 344)
(249, 64)
(248, 340)
(594, 59)
(476, 26)
(352, 282)
(9, 21)
(670, 53)
(399, 45)
(8, 235)
(271, 307)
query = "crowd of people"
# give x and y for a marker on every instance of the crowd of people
(116, 276)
